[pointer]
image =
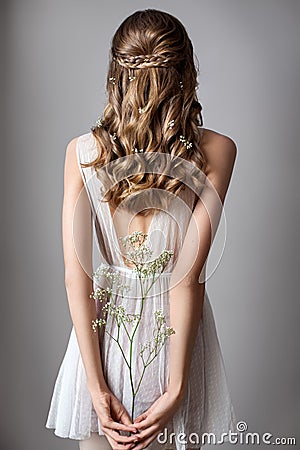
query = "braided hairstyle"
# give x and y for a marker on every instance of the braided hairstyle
(152, 106)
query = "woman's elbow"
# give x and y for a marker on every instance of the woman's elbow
(69, 280)
(78, 279)
(71, 277)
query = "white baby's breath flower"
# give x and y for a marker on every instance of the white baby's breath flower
(139, 254)
(160, 335)
(99, 294)
(97, 323)
(159, 316)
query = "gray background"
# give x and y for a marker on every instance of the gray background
(55, 61)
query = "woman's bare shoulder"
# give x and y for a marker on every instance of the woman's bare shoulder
(219, 151)
(72, 173)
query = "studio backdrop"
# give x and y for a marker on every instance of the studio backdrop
(54, 63)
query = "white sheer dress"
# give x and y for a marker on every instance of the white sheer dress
(207, 406)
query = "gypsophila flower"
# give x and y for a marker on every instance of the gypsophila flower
(158, 264)
(99, 294)
(159, 317)
(99, 122)
(138, 252)
(136, 237)
(185, 142)
(108, 273)
(119, 313)
(114, 278)
(160, 335)
(97, 323)
(137, 150)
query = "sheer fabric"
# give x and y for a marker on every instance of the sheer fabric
(207, 406)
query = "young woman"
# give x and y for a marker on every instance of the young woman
(149, 152)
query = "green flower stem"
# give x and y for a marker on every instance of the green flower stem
(146, 365)
(144, 294)
(147, 277)
(119, 345)
(125, 328)
(130, 359)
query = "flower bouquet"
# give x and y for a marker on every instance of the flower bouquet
(148, 271)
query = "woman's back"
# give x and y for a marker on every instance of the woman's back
(207, 406)
(147, 150)
(165, 228)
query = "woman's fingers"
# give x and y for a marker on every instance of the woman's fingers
(119, 440)
(140, 418)
(118, 426)
(120, 414)
(125, 419)
(144, 434)
(113, 419)
(145, 422)
(110, 429)
(145, 442)
(117, 446)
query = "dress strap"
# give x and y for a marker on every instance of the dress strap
(86, 148)
(87, 151)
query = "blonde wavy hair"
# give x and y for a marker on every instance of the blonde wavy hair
(152, 106)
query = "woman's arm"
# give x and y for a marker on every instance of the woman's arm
(186, 293)
(77, 248)
(77, 245)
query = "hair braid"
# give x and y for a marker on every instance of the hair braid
(145, 61)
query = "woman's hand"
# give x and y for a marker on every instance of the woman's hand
(113, 419)
(152, 421)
